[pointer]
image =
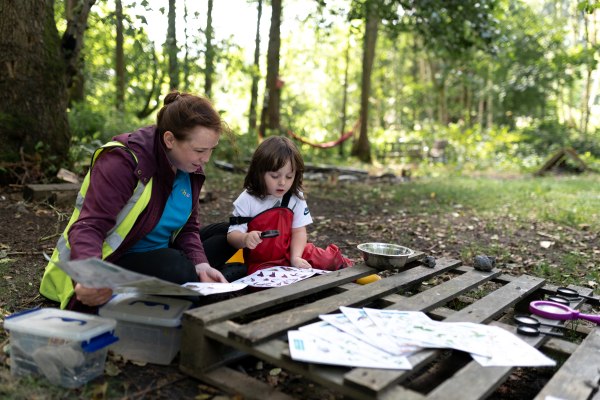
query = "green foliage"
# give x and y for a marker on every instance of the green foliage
(443, 70)
(85, 122)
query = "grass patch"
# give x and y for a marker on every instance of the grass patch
(571, 200)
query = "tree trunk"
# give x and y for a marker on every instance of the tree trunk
(589, 66)
(119, 58)
(345, 94)
(209, 70)
(490, 100)
(33, 83)
(154, 93)
(72, 40)
(77, 90)
(171, 48)
(362, 147)
(270, 113)
(186, 56)
(255, 73)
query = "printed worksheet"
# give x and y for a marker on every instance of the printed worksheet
(278, 276)
(511, 351)
(404, 325)
(359, 318)
(323, 343)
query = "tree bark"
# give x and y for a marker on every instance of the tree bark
(362, 147)
(77, 89)
(119, 58)
(270, 113)
(33, 83)
(186, 56)
(209, 69)
(171, 48)
(255, 73)
(345, 93)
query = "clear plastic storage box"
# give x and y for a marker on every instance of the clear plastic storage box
(148, 327)
(68, 348)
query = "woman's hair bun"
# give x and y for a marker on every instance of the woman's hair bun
(171, 97)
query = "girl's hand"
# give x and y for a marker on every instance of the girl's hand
(252, 239)
(300, 262)
(92, 297)
(206, 273)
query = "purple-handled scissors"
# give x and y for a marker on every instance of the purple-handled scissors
(551, 310)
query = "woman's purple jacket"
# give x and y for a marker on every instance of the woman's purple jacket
(113, 178)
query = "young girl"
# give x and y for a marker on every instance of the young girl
(273, 200)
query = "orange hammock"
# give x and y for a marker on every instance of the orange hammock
(325, 145)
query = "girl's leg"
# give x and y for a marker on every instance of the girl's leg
(167, 264)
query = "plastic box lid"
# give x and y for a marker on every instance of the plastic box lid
(145, 309)
(56, 323)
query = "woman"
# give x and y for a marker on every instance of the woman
(138, 205)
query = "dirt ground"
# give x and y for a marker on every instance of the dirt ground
(344, 213)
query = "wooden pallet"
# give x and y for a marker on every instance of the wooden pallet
(256, 324)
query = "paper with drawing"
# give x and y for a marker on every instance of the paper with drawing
(374, 338)
(278, 276)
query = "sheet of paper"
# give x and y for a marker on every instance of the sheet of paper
(325, 344)
(96, 273)
(359, 318)
(511, 351)
(339, 338)
(208, 288)
(404, 325)
(383, 342)
(278, 276)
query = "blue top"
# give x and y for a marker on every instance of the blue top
(175, 215)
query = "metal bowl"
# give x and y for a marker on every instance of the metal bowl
(384, 255)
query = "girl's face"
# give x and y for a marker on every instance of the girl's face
(190, 154)
(280, 181)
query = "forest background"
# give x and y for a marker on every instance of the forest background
(501, 83)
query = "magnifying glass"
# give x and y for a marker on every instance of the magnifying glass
(559, 299)
(572, 293)
(531, 331)
(269, 234)
(522, 319)
(551, 310)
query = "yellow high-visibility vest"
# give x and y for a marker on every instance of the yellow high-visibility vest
(56, 284)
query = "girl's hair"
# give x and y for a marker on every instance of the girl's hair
(184, 111)
(271, 155)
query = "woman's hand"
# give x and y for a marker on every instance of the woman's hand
(252, 239)
(92, 297)
(300, 262)
(206, 273)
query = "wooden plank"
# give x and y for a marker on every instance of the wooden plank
(232, 381)
(53, 192)
(244, 305)
(477, 382)
(250, 303)
(377, 381)
(276, 351)
(560, 346)
(199, 351)
(273, 325)
(442, 293)
(579, 376)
